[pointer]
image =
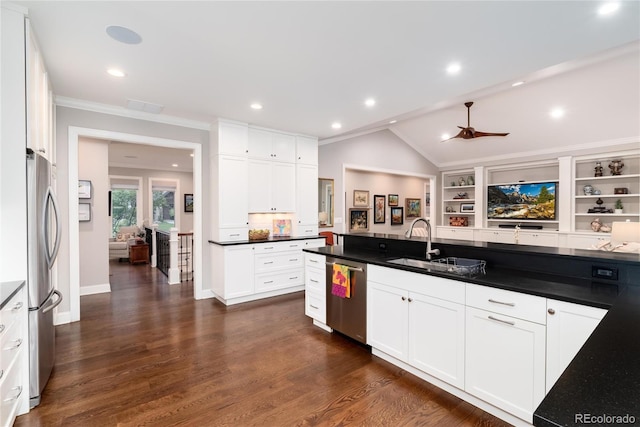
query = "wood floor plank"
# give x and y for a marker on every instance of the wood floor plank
(148, 354)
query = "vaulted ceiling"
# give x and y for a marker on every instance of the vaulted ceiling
(311, 64)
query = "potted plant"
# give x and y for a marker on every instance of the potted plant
(618, 207)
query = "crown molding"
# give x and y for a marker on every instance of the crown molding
(79, 104)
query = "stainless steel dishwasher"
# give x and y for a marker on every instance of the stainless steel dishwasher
(348, 315)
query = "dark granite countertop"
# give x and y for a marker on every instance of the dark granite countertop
(603, 380)
(8, 290)
(269, 240)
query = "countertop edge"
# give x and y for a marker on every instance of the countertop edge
(8, 290)
(270, 240)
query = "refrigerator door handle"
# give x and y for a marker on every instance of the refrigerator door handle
(55, 304)
(50, 253)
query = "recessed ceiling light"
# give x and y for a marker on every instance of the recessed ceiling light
(392, 122)
(256, 106)
(115, 72)
(123, 34)
(336, 125)
(175, 165)
(454, 68)
(517, 83)
(557, 113)
(608, 8)
(445, 136)
(370, 102)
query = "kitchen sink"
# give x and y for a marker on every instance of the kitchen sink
(454, 265)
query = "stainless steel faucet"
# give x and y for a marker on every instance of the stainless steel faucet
(430, 251)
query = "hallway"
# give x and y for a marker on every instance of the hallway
(149, 354)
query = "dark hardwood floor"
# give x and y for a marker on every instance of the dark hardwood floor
(148, 354)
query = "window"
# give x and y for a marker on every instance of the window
(164, 204)
(124, 208)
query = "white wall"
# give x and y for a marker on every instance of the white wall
(381, 150)
(185, 179)
(66, 117)
(94, 234)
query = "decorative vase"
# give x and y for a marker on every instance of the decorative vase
(461, 182)
(617, 211)
(470, 180)
(588, 190)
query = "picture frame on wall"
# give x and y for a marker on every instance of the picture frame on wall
(188, 202)
(397, 216)
(84, 212)
(379, 209)
(84, 189)
(358, 220)
(393, 200)
(413, 208)
(360, 198)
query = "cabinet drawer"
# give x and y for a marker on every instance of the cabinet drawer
(458, 233)
(315, 307)
(315, 279)
(233, 234)
(11, 389)
(514, 304)
(279, 246)
(11, 311)
(285, 279)
(315, 243)
(307, 230)
(280, 260)
(10, 344)
(315, 260)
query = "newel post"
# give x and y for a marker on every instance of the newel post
(174, 270)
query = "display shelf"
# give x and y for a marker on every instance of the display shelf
(454, 182)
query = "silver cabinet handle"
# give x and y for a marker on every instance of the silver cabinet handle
(502, 321)
(17, 344)
(267, 262)
(313, 260)
(510, 304)
(18, 306)
(293, 278)
(313, 280)
(19, 390)
(313, 306)
(268, 248)
(551, 311)
(293, 259)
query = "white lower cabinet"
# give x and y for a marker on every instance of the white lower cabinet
(505, 354)
(315, 295)
(568, 328)
(413, 321)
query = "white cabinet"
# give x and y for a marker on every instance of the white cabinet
(315, 295)
(233, 187)
(418, 319)
(272, 186)
(587, 241)
(505, 349)
(568, 328)
(496, 236)
(233, 271)
(456, 233)
(538, 238)
(13, 355)
(230, 138)
(306, 150)
(306, 199)
(269, 145)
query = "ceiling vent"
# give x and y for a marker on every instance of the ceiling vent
(147, 107)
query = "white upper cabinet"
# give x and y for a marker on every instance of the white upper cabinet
(306, 150)
(269, 145)
(231, 138)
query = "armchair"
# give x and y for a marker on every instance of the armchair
(119, 245)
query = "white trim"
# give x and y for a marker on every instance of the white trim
(95, 289)
(61, 317)
(74, 134)
(113, 110)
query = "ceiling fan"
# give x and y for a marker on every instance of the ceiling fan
(469, 132)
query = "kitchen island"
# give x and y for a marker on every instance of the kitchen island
(603, 380)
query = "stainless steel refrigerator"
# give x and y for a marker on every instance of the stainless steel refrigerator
(43, 242)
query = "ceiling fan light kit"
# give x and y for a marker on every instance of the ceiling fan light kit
(469, 132)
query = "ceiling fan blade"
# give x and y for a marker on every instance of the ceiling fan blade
(461, 127)
(479, 134)
(459, 135)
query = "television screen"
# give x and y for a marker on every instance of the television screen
(530, 201)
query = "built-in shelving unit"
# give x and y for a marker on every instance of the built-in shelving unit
(604, 189)
(458, 198)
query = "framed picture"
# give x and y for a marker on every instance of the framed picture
(427, 200)
(397, 216)
(358, 220)
(360, 199)
(393, 200)
(379, 209)
(84, 189)
(84, 212)
(413, 207)
(188, 202)
(467, 207)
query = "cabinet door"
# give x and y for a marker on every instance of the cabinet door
(260, 144)
(538, 239)
(232, 139)
(233, 185)
(283, 147)
(306, 150)
(505, 361)
(238, 271)
(496, 236)
(387, 319)
(568, 328)
(307, 194)
(260, 186)
(436, 338)
(283, 187)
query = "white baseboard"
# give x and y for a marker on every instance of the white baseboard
(95, 289)
(62, 318)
